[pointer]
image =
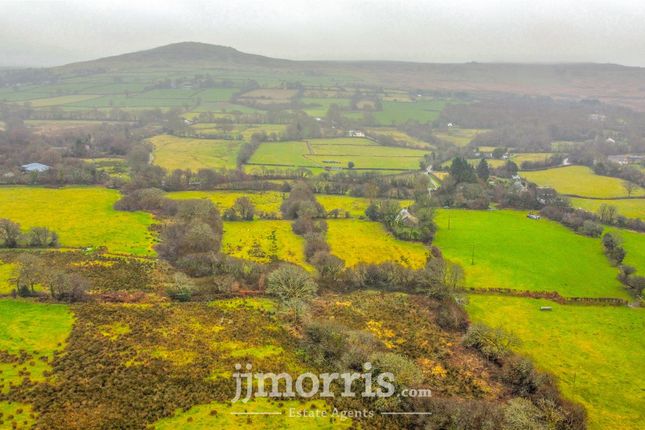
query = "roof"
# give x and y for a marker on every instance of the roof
(35, 167)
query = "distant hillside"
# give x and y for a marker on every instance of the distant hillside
(178, 54)
(606, 82)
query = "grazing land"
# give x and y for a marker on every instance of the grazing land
(82, 216)
(395, 112)
(357, 241)
(173, 152)
(630, 208)
(265, 201)
(458, 136)
(596, 353)
(505, 249)
(580, 181)
(6, 274)
(263, 241)
(337, 153)
(37, 329)
(634, 244)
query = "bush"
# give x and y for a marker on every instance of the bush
(290, 282)
(590, 228)
(494, 344)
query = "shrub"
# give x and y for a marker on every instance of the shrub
(494, 344)
(290, 282)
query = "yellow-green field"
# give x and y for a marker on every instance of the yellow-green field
(264, 201)
(246, 131)
(356, 206)
(530, 156)
(458, 136)
(401, 136)
(357, 241)
(630, 208)
(505, 249)
(6, 274)
(21, 414)
(38, 329)
(634, 244)
(597, 353)
(173, 152)
(82, 216)
(61, 100)
(263, 240)
(580, 181)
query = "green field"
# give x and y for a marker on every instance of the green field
(530, 156)
(82, 216)
(263, 241)
(355, 206)
(400, 136)
(37, 329)
(512, 251)
(630, 208)
(580, 181)
(597, 353)
(264, 201)
(337, 153)
(6, 274)
(318, 106)
(402, 112)
(357, 241)
(458, 136)
(60, 100)
(634, 244)
(173, 152)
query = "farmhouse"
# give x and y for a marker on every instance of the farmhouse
(355, 133)
(34, 167)
(406, 218)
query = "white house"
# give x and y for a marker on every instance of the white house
(34, 167)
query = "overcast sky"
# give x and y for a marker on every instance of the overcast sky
(58, 32)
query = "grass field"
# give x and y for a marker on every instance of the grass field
(597, 353)
(458, 136)
(364, 153)
(266, 201)
(630, 208)
(318, 106)
(6, 273)
(530, 156)
(634, 244)
(245, 131)
(37, 329)
(262, 241)
(20, 413)
(580, 181)
(400, 136)
(354, 205)
(61, 100)
(402, 112)
(512, 251)
(82, 216)
(173, 152)
(357, 241)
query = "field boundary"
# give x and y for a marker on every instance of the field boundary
(550, 295)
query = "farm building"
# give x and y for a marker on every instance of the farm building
(355, 133)
(34, 167)
(406, 218)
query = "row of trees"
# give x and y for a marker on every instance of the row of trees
(12, 236)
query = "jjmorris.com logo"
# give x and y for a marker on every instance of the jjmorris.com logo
(306, 385)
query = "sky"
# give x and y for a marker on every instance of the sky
(45, 33)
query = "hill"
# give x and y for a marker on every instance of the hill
(606, 82)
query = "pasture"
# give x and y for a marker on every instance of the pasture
(504, 249)
(354, 206)
(630, 208)
(400, 136)
(458, 136)
(596, 353)
(82, 216)
(357, 241)
(6, 274)
(395, 112)
(264, 201)
(171, 152)
(337, 153)
(263, 241)
(38, 330)
(580, 181)
(634, 244)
